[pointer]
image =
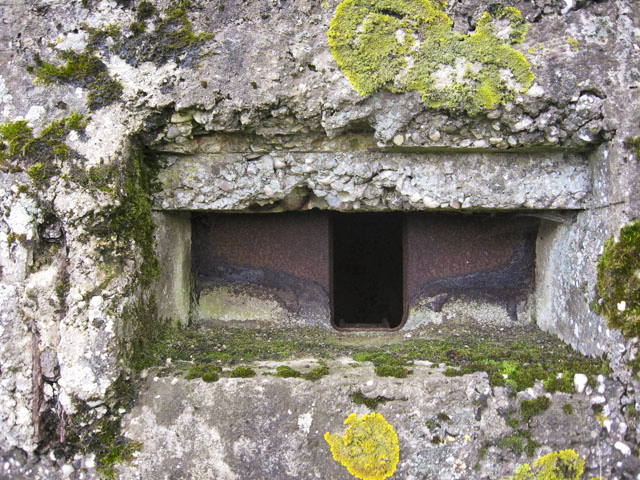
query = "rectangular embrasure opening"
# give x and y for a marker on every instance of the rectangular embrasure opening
(364, 271)
(367, 279)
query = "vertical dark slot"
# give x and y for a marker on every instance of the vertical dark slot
(367, 270)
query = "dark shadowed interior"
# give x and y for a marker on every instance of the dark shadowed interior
(367, 270)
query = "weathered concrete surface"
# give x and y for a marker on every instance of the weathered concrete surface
(267, 71)
(376, 181)
(267, 427)
(173, 247)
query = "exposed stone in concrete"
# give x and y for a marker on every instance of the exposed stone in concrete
(376, 181)
(193, 428)
(266, 71)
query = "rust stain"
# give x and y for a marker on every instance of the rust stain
(441, 246)
(293, 243)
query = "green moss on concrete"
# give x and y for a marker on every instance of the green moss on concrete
(242, 372)
(171, 39)
(518, 442)
(16, 136)
(370, 402)
(513, 422)
(85, 70)
(405, 45)
(618, 287)
(524, 355)
(40, 156)
(567, 408)
(131, 218)
(208, 373)
(531, 408)
(284, 371)
(83, 434)
(386, 365)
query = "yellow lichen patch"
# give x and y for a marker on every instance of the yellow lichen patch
(405, 45)
(369, 448)
(561, 465)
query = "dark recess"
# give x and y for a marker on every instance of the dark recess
(367, 270)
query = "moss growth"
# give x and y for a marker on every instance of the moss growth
(16, 136)
(618, 287)
(13, 238)
(242, 372)
(519, 442)
(443, 417)
(633, 144)
(316, 374)
(567, 408)
(130, 220)
(144, 11)
(405, 45)
(76, 121)
(369, 448)
(386, 365)
(561, 465)
(207, 373)
(284, 371)
(172, 38)
(513, 422)
(531, 408)
(526, 354)
(85, 70)
(104, 437)
(370, 402)
(40, 155)
(210, 377)
(146, 331)
(121, 452)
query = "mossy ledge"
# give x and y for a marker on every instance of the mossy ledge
(524, 355)
(405, 45)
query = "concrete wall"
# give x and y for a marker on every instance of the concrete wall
(173, 287)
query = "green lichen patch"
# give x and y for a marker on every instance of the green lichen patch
(405, 45)
(371, 403)
(531, 408)
(618, 287)
(85, 70)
